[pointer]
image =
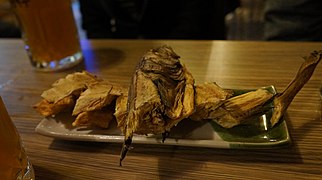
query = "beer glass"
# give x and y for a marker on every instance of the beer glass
(50, 33)
(14, 163)
(321, 91)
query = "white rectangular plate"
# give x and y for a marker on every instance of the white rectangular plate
(257, 134)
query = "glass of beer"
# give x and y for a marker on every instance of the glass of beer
(50, 33)
(321, 91)
(14, 163)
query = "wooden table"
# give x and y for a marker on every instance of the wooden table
(230, 64)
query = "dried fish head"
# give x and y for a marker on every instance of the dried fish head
(160, 96)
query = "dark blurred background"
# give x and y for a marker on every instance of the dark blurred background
(240, 17)
(289, 20)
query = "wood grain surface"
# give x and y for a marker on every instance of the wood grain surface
(232, 64)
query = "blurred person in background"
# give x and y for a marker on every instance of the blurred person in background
(8, 24)
(155, 19)
(293, 20)
(8, 30)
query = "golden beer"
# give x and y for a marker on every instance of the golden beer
(321, 91)
(13, 160)
(50, 33)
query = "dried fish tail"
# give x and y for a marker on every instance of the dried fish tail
(283, 100)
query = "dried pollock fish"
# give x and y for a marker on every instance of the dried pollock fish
(161, 94)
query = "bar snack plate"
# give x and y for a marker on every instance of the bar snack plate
(256, 134)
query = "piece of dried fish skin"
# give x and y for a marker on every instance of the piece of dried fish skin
(142, 108)
(95, 97)
(96, 118)
(186, 101)
(47, 109)
(121, 111)
(72, 84)
(236, 110)
(208, 97)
